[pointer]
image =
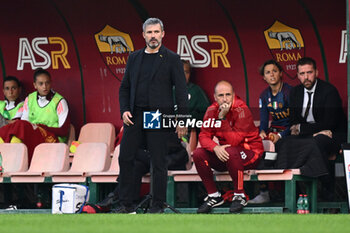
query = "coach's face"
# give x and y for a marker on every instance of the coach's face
(153, 35)
(307, 75)
(224, 94)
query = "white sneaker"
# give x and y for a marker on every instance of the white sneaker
(11, 207)
(263, 197)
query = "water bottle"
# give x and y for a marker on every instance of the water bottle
(1, 169)
(306, 205)
(300, 204)
(39, 203)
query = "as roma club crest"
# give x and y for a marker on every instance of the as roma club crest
(286, 46)
(115, 47)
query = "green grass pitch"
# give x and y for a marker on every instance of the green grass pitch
(176, 223)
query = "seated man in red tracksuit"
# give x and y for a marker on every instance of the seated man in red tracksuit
(240, 147)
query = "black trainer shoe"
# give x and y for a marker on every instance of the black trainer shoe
(209, 204)
(156, 208)
(111, 198)
(124, 210)
(238, 202)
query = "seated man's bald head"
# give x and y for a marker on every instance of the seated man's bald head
(222, 82)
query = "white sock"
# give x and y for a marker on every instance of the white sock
(216, 194)
(239, 194)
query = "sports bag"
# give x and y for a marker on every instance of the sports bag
(69, 198)
(90, 208)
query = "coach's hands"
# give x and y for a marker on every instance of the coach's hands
(224, 109)
(221, 153)
(181, 131)
(126, 118)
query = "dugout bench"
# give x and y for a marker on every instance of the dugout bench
(289, 176)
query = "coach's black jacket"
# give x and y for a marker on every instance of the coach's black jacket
(167, 72)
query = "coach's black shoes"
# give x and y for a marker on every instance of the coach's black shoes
(238, 202)
(209, 204)
(156, 210)
(111, 199)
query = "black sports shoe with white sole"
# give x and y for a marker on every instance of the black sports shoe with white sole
(238, 202)
(209, 204)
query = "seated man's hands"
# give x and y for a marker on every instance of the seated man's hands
(295, 129)
(324, 132)
(262, 134)
(224, 109)
(221, 153)
(274, 137)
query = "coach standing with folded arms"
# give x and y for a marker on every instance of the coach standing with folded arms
(147, 85)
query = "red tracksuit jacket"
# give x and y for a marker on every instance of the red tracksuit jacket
(237, 129)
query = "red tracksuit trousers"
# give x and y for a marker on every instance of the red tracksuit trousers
(240, 159)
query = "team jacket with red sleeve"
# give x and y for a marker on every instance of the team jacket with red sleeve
(237, 129)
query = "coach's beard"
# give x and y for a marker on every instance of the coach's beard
(155, 45)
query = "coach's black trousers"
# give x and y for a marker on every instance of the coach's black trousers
(155, 141)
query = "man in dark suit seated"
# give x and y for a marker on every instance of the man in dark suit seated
(318, 127)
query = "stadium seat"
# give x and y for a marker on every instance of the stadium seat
(89, 157)
(14, 158)
(111, 175)
(225, 176)
(98, 132)
(47, 158)
(277, 174)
